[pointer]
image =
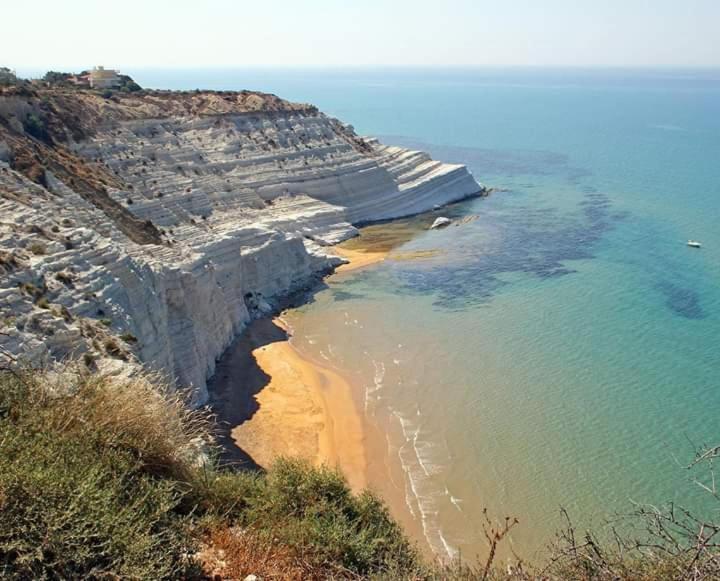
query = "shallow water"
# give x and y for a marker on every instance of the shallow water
(560, 349)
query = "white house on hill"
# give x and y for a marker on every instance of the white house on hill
(101, 78)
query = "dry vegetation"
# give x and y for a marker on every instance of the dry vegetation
(111, 477)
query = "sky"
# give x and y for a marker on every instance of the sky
(77, 34)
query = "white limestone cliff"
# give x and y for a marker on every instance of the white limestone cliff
(245, 201)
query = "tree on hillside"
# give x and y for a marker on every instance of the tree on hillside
(128, 85)
(56, 78)
(7, 76)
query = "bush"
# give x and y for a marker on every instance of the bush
(65, 277)
(37, 248)
(56, 78)
(313, 512)
(68, 515)
(7, 77)
(102, 476)
(37, 127)
(79, 493)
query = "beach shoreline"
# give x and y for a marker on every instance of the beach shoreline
(357, 259)
(275, 397)
(274, 400)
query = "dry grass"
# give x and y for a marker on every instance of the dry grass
(235, 554)
(139, 414)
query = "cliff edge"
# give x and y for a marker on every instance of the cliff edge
(153, 226)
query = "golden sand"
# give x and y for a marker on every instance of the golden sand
(358, 258)
(305, 410)
(277, 400)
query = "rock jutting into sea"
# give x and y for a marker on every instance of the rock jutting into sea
(154, 226)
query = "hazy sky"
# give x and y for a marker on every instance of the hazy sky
(133, 33)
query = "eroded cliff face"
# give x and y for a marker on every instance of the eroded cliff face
(154, 227)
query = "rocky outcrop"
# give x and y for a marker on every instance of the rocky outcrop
(161, 224)
(440, 222)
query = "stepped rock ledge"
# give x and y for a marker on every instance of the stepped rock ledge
(154, 226)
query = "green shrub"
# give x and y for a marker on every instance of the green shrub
(100, 477)
(57, 78)
(37, 127)
(37, 248)
(78, 497)
(313, 511)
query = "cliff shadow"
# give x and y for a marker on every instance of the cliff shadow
(237, 380)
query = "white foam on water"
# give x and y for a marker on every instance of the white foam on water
(421, 470)
(451, 551)
(379, 373)
(377, 384)
(456, 502)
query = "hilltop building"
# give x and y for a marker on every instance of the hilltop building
(101, 78)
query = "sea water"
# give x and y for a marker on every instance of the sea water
(559, 348)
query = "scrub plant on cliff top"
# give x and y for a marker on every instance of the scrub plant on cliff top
(106, 476)
(90, 473)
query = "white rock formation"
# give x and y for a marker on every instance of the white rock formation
(440, 222)
(246, 203)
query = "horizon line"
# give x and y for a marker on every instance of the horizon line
(155, 67)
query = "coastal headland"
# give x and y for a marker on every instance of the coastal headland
(152, 227)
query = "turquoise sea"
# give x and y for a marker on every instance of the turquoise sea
(561, 349)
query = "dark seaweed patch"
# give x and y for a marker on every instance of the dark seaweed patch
(682, 301)
(535, 241)
(342, 295)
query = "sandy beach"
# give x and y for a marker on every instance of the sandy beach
(271, 399)
(305, 410)
(358, 258)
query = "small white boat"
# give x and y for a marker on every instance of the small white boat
(694, 244)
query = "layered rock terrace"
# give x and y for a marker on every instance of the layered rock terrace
(153, 227)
